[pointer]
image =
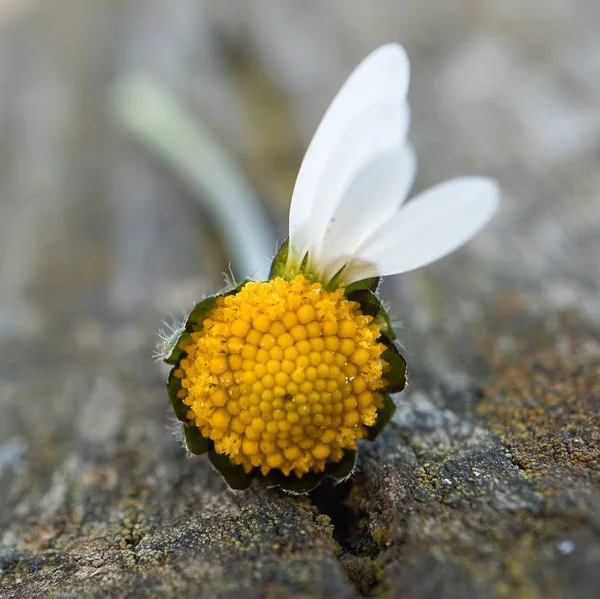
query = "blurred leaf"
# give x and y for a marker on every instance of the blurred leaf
(151, 112)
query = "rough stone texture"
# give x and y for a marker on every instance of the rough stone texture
(487, 483)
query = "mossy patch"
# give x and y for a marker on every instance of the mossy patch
(545, 407)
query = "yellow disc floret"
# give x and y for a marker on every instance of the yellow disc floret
(284, 375)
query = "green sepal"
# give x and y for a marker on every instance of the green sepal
(199, 312)
(338, 471)
(234, 475)
(370, 305)
(235, 289)
(202, 308)
(384, 415)
(396, 376)
(335, 281)
(194, 320)
(280, 260)
(382, 320)
(279, 265)
(194, 441)
(341, 470)
(173, 386)
(371, 284)
(176, 353)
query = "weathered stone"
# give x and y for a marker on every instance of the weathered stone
(487, 482)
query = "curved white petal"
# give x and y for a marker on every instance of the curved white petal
(436, 223)
(381, 128)
(384, 73)
(374, 197)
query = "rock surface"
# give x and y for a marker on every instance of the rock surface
(486, 484)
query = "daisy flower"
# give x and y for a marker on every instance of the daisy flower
(279, 379)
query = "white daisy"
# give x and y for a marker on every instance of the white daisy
(280, 379)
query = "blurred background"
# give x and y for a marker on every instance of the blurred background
(117, 116)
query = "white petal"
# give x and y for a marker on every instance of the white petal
(374, 197)
(436, 223)
(384, 73)
(381, 128)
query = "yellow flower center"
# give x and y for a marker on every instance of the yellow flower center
(284, 375)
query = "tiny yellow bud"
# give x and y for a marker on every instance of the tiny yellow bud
(298, 332)
(240, 328)
(313, 329)
(289, 320)
(254, 337)
(320, 451)
(330, 327)
(306, 314)
(219, 396)
(261, 323)
(218, 365)
(277, 329)
(359, 357)
(235, 362)
(250, 446)
(220, 419)
(285, 341)
(347, 328)
(267, 341)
